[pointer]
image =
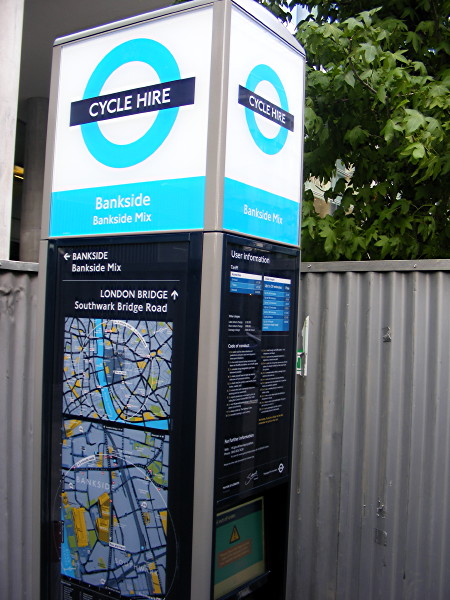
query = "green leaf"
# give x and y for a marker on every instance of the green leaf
(366, 74)
(350, 78)
(419, 151)
(330, 239)
(388, 131)
(415, 150)
(413, 38)
(420, 67)
(399, 56)
(339, 186)
(367, 18)
(370, 52)
(433, 126)
(353, 24)
(310, 118)
(426, 27)
(439, 90)
(381, 94)
(414, 120)
(330, 30)
(357, 135)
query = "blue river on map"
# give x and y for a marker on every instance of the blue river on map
(67, 567)
(100, 370)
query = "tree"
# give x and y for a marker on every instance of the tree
(377, 98)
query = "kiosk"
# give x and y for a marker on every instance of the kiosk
(171, 236)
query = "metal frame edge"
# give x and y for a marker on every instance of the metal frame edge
(217, 117)
(147, 16)
(369, 266)
(206, 416)
(50, 144)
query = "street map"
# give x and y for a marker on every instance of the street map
(114, 507)
(118, 370)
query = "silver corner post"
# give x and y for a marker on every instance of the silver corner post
(205, 442)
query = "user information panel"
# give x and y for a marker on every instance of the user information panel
(256, 388)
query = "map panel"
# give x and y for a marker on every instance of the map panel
(114, 508)
(118, 370)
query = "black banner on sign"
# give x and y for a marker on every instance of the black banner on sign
(265, 108)
(151, 98)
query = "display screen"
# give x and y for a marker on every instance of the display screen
(239, 552)
(256, 387)
(120, 370)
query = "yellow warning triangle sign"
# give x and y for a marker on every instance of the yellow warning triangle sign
(234, 535)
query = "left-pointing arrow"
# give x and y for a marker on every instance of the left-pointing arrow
(67, 256)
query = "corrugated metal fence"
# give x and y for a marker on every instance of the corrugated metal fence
(371, 512)
(18, 308)
(372, 516)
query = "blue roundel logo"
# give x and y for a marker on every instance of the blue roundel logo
(267, 145)
(126, 155)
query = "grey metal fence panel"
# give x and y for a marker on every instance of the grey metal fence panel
(18, 298)
(372, 516)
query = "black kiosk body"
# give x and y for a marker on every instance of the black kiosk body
(172, 272)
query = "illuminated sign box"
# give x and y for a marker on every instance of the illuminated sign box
(150, 136)
(186, 124)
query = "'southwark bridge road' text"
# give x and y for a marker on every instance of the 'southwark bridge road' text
(133, 307)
